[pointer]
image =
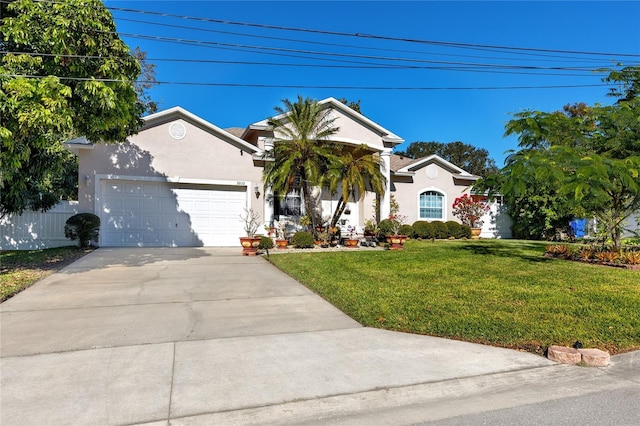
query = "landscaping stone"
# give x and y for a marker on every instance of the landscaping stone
(564, 355)
(594, 357)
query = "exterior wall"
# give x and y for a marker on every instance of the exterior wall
(153, 153)
(37, 230)
(431, 177)
(353, 130)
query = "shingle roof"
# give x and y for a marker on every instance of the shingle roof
(235, 131)
(399, 161)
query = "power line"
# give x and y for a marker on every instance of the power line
(260, 49)
(307, 65)
(359, 35)
(372, 36)
(165, 25)
(305, 86)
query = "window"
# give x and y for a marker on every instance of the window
(431, 205)
(291, 203)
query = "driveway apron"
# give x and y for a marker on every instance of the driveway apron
(203, 336)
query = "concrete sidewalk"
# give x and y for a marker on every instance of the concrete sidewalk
(206, 336)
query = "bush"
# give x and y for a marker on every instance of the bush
(385, 228)
(422, 229)
(465, 231)
(454, 229)
(266, 243)
(440, 230)
(83, 227)
(406, 230)
(303, 239)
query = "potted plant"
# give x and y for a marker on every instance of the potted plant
(281, 240)
(396, 240)
(470, 209)
(250, 243)
(352, 237)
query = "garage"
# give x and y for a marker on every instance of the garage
(140, 213)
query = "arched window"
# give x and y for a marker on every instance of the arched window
(432, 205)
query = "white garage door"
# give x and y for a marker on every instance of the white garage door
(159, 214)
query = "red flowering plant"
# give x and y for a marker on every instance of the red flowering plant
(470, 209)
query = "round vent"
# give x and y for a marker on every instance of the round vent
(177, 131)
(432, 171)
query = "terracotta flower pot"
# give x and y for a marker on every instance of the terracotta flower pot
(475, 233)
(351, 242)
(396, 241)
(282, 244)
(249, 245)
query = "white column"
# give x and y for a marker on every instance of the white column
(385, 168)
(269, 202)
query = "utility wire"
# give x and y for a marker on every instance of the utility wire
(341, 55)
(306, 65)
(304, 86)
(165, 25)
(373, 36)
(359, 35)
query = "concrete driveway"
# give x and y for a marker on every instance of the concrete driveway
(196, 336)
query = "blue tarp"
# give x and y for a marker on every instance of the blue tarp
(579, 226)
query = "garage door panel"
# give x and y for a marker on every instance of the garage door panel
(164, 214)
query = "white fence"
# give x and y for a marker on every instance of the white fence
(36, 230)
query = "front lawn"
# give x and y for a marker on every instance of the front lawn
(21, 268)
(498, 292)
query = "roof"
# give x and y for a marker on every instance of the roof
(399, 161)
(404, 165)
(235, 131)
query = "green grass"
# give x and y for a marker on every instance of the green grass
(20, 269)
(503, 293)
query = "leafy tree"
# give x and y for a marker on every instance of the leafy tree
(352, 172)
(66, 73)
(590, 157)
(354, 105)
(472, 159)
(301, 152)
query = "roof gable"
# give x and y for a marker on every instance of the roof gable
(387, 138)
(176, 113)
(413, 165)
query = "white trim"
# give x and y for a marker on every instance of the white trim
(444, 204)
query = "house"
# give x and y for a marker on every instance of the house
(182, 181)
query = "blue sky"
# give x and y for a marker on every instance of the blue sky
(345, 66)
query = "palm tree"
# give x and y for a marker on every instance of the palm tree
(355, 168)
(301, 150)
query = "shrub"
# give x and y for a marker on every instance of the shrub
(465, 231)
(607, 256)
(385, 228)
(83, 227)
(422, 229)
(631, 257)
(266, 243)
(560, 250)
(440, 230)
(302, 239)
(585, 254)
(406, 230)
(454, 229)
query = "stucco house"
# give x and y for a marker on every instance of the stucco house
(182, 181)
